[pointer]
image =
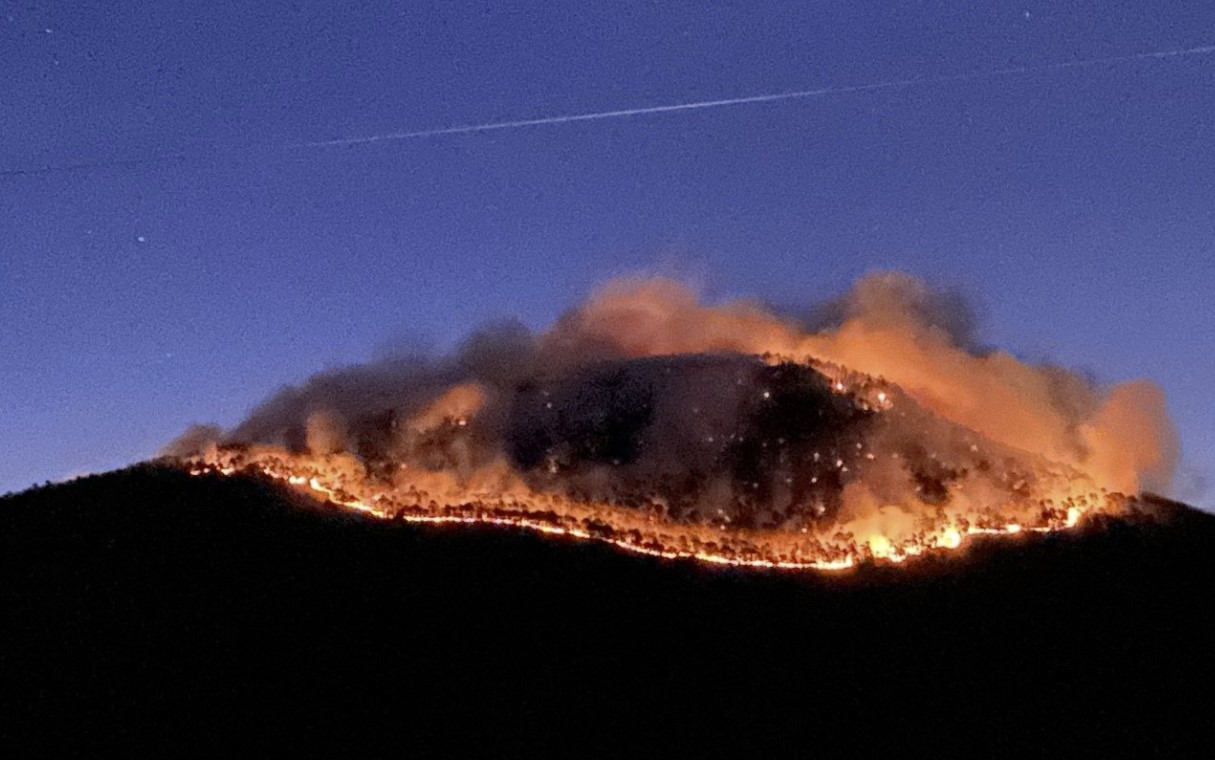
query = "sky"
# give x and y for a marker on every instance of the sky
(170, 254)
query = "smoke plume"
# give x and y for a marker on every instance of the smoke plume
(877, 409)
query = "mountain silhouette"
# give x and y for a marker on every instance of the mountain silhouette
(148, 610)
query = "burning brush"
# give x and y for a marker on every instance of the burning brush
(724, 433)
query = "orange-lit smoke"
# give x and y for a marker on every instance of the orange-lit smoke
(878, 426)
(898, 327)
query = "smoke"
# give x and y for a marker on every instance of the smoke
(925, 341)
(1129, 435)
(893, 299)
(325, 433)
(877, 404)
(197, 440)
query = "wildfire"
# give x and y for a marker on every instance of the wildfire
(724, 434)
(648, 535)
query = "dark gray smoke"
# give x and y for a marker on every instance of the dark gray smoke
(644, 393)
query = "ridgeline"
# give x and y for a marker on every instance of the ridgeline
(146, 609)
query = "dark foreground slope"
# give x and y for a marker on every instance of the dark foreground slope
(146, 607)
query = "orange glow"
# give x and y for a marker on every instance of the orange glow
(834, 549)
(726, 433)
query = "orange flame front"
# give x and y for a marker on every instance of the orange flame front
(839, 548)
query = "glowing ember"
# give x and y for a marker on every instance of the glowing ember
(728, 435)
(339, 479)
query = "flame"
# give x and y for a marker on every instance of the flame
(648, 420)
(637, 533)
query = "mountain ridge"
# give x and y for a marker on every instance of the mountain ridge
(146, 607)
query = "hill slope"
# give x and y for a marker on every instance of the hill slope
(148, 608)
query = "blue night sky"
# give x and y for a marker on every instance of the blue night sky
(1074, 204)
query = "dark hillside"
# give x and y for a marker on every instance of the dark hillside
(145, 608)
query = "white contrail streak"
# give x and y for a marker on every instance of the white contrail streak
(768, 98)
